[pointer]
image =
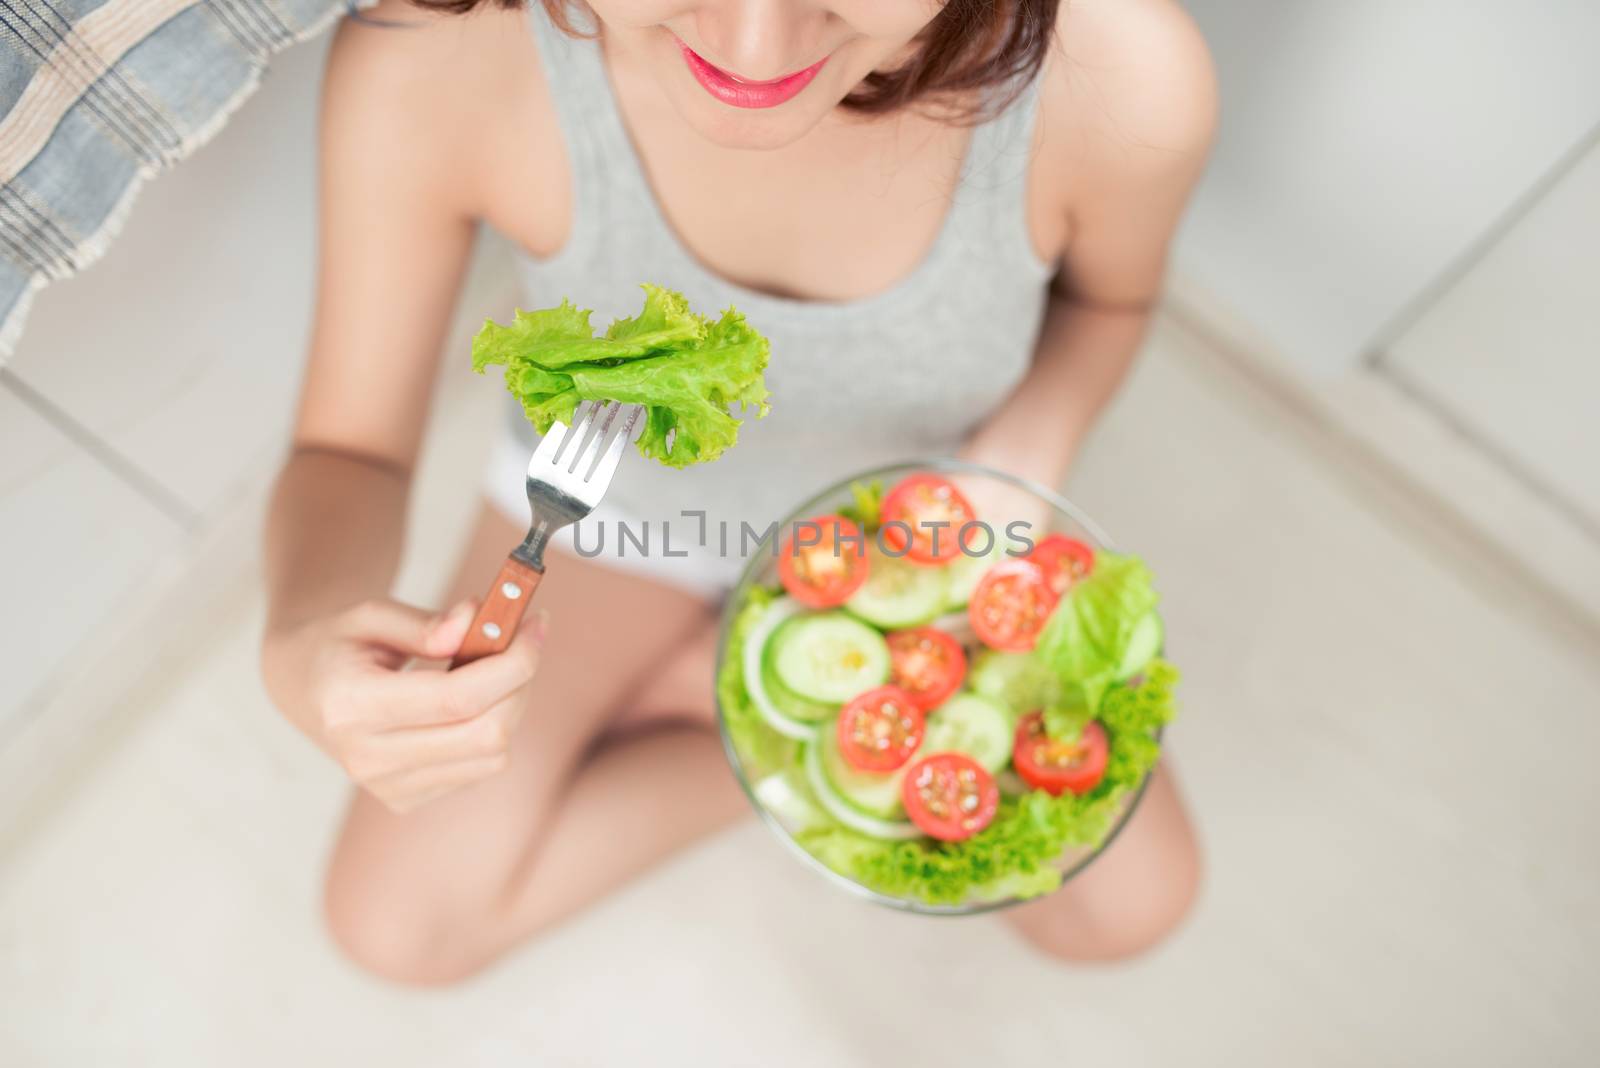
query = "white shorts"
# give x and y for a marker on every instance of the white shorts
(702, 572)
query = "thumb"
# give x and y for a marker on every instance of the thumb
(445, 631)
(413, 631)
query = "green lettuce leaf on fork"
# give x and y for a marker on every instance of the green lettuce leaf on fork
(689, 371)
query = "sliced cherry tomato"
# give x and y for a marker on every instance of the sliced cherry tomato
(1055, 765)
(1011, 604)
(880, 729)
(916, 501)
(949, 796)
(1065, 561)
(823, 572)
(928, 664)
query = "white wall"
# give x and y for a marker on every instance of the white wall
(1511, 350)
(1366, 145)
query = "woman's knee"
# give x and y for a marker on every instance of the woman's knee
(1117, 923)
(395, 930)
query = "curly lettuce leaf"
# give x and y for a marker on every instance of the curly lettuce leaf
(1087, 636)
(1131, 716)
(1141, 709)
(666, 321)
(688, 392)
(688, 371)
(561, 335)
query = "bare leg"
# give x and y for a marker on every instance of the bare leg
(583, 805)
(1133, 896)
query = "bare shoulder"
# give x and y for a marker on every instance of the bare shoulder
(431, 95)
(1128, 95)
(1130, 78)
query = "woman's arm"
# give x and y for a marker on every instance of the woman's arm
(392, 247)
(396, 228)
(1128, 109)
(1082, 355)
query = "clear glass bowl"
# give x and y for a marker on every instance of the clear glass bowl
(1054, 512)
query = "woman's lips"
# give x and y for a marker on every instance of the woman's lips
(734, 90)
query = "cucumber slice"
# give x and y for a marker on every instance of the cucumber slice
(877, 793)
(963, 574)
(829, 658)
(1015, 681)
(897, 593)
(754, 663)
(846, 813)
(1143, 646)
(792, 704)
(973, 725)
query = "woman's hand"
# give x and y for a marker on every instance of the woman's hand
(407, 737)
(1000, 504)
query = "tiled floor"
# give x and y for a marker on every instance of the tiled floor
(43, 474)
(1392, 772)
(175, 358)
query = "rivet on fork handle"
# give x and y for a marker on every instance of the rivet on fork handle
(501, 612)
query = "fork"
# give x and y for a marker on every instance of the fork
(564, 485)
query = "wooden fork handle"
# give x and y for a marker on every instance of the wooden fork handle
(501, 612)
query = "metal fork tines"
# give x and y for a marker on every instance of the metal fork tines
(570, 471)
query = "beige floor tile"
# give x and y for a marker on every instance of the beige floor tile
(77, 543)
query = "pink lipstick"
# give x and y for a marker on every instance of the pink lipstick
(742, 93)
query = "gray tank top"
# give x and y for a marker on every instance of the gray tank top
(908, 372)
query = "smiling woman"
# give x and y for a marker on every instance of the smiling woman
(949, 220)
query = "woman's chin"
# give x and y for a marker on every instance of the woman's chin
(754, 129)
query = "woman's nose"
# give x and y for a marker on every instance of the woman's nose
(760, 40)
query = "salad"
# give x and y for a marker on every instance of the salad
(940, 710)
(688, 370)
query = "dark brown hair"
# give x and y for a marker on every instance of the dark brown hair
(970, 46)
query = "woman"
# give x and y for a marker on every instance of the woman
(951, 218)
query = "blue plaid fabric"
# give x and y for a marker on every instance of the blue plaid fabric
(98, 95)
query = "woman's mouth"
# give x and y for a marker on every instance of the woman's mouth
(741, 93)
